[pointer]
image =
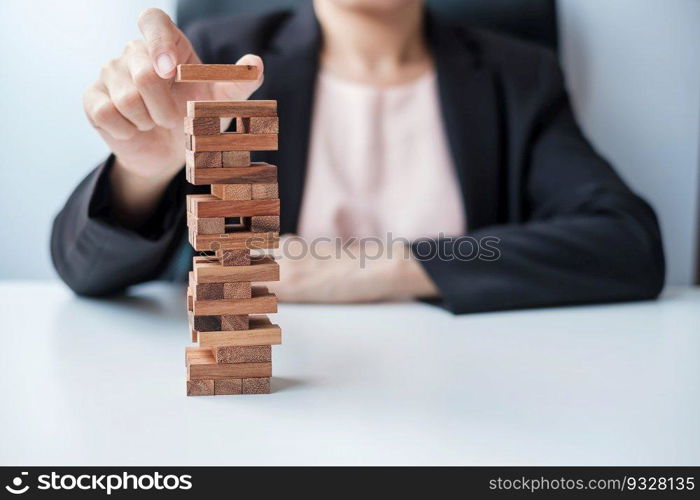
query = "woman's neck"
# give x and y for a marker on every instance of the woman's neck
(375, 46)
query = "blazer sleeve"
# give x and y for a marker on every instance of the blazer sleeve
(587, 238)
(93, 254)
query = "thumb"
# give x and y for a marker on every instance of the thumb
(240, 91)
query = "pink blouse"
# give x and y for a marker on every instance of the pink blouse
(379, 163)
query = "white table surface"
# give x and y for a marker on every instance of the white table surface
(91, 382)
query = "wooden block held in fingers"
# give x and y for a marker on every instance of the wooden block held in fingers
(237, 290)
(200, 387)
(202, 365)
(265, 191)
(261, 301)
(255, 173)
(233, 322)
(231, 109)
(265, 223)
(205, 159)
(230, 141)
(216, 72)
(260, 385)
(260, 332)
(263, 125)
(202, 126)
(262, 269)
(233, 257)
(227, 386)
(232, 191)
(214, 207)
(235, 158)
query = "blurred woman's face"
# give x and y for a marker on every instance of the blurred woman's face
(373, 5)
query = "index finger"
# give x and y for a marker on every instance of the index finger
(162, 37)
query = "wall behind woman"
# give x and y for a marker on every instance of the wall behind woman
(631, 66)
(633, 70)
(52, 50)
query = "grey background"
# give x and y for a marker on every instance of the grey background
(631, 66)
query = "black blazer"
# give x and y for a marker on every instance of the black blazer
(568, 229)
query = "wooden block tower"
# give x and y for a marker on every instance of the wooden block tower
(226, 312)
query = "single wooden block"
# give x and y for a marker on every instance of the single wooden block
(202, 365)
(206, 323)
(232, 191)
(253, 174)
(227, 386)
(263, 125)
(206, 159)
(243, 354)
(234, 322)
(260, 385)
(188, 142)
(229, 141)
(208, 291)
(200, 387)
(216, 72)
(265, 191)
(264, 223)
(202, 126)
(244, 240)
(214, 207)
(258, 125)
(231, 109)
(262, 269)
(260, 331)
(236, 158)
(261, 301)
(237, 290)
(209, 225)
(217, 323)
(233, 257)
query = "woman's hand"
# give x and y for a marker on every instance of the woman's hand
(367, 271)
(138, 109)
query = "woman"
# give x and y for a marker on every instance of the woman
(391, 122)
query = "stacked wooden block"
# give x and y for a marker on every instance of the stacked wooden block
(226, 310)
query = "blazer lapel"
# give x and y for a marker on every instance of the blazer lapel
(290, 77)
(468, 99)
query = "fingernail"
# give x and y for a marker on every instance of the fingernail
(165, 64)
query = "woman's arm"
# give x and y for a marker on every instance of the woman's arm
(124, 220)
(95, 254)
(587, 237)
(326, 271)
